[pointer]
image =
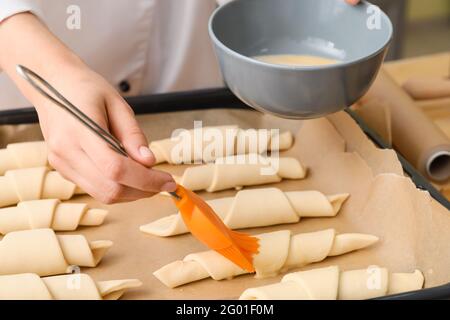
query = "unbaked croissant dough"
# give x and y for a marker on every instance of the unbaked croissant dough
(43, 252)
(331, 284)
(51, 213)
(233, 140)
(239, 171)
(34, 184)
(29, 286)
(23, 155)
(230, 140)
(279, 251)
(257, 208)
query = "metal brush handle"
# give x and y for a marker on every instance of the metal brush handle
(41, 85)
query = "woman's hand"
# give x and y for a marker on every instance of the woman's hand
(352, 2)
(86, 159)
(74, 150)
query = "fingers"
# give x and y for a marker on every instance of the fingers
(352, 2)
(125, 170)
(85, 175)
(124, 126)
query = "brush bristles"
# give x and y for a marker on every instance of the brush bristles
(242, 253)
(246, 242)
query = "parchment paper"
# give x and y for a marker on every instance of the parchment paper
(413, 228)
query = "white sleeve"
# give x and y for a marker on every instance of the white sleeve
(9, 8)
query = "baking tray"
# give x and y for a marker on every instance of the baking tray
(222, 98)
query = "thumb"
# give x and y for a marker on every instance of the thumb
(124, 126)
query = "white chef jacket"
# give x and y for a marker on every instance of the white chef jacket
(152, 46)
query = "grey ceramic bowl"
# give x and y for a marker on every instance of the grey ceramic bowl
(332, 29)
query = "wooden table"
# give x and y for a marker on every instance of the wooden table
(436, 65)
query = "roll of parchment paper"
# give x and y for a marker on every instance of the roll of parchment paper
(413, 134)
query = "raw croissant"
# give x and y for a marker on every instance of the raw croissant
(278, 252)
(34, 154)
(43, 252)
(34, 184)
(29, 286)
(23, 155)
(331, 284)
(239, 171)
(53, 214)
(258, 208)
(229, 140)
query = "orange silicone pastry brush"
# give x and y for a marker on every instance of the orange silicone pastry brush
(208, 228)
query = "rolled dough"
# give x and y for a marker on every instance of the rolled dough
(278, 252)
(43, 252)
(51, 213)
(229, 140)
(257, 208)
(239, 171)
(34, 184)
(23, 155)
(29, 286)
(331, 284)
